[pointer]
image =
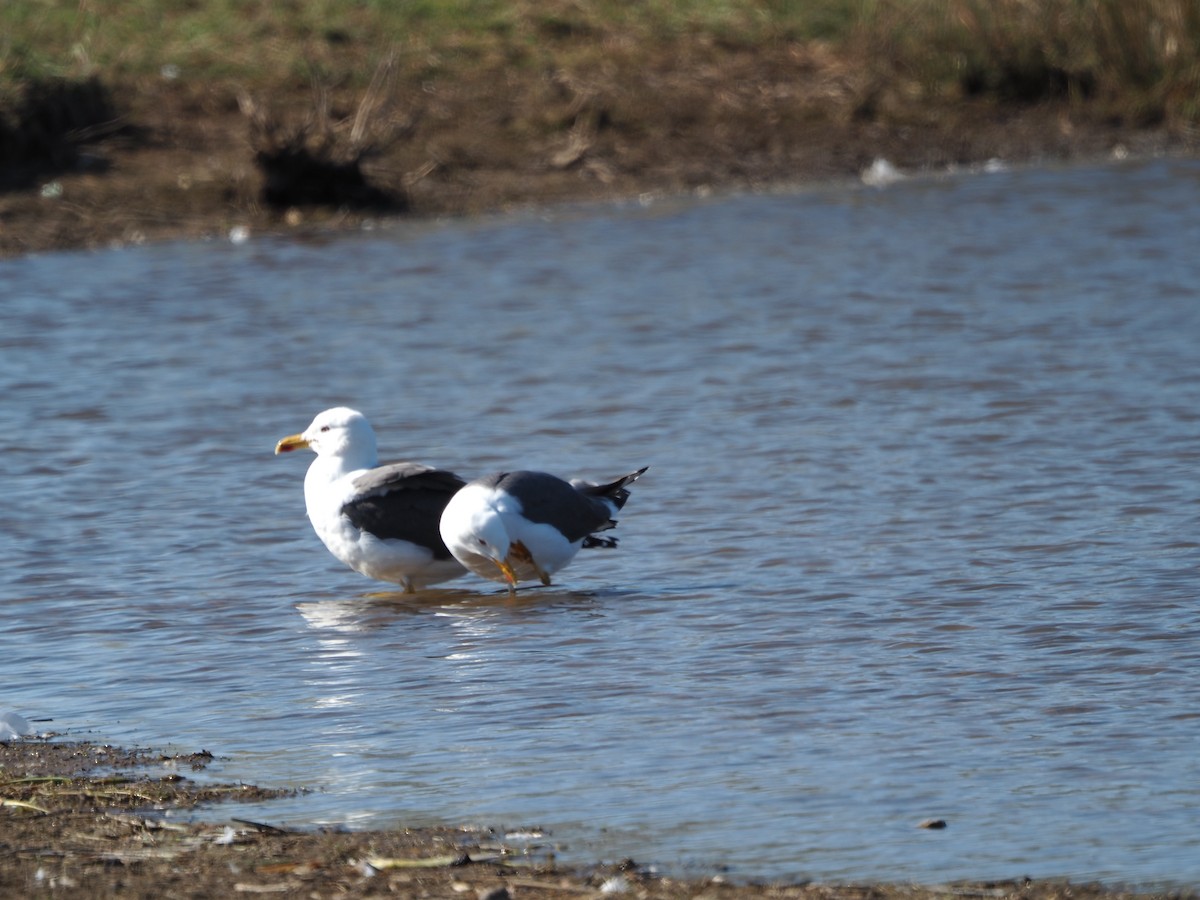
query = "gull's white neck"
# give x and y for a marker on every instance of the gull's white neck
(325, 470)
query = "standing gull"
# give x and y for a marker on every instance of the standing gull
(381, 521)
(517, 526)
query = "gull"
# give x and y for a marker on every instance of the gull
(381, 521)
(517, 526)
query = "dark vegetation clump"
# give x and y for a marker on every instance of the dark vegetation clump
(49, 123)
(303, 169)
(320, 161)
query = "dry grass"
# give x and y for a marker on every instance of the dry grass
(318, 160)
(1142, 57)
(1136, 61)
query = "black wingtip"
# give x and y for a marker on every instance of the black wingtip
(616, 491)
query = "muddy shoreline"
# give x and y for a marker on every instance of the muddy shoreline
(182, 160)
(89, 820)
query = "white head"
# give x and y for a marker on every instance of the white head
(488, 536)
(340, 433)
(471, 526)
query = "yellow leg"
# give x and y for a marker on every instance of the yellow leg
(509, 575)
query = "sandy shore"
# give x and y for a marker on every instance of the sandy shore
(88, 821)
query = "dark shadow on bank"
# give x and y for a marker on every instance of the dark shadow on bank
(50, 128)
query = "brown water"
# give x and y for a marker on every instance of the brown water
(919, 537)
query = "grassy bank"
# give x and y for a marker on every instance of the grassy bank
(230, 113)
(1137, 59)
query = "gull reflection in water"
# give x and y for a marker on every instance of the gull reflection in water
(380, 610)
(396, 684)
(341, 625)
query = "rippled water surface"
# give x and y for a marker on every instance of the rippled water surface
(919, 537)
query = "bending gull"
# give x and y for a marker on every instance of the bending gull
(381, 521)
(517, 526)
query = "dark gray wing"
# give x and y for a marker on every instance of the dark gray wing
(547, 499)
(404, 501)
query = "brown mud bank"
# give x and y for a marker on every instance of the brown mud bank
(91, 821)
(167, 158)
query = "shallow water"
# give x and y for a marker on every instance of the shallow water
(919, 537)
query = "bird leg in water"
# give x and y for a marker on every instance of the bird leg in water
(509, 575)
(521, 553)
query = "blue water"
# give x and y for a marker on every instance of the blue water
(918, 540)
